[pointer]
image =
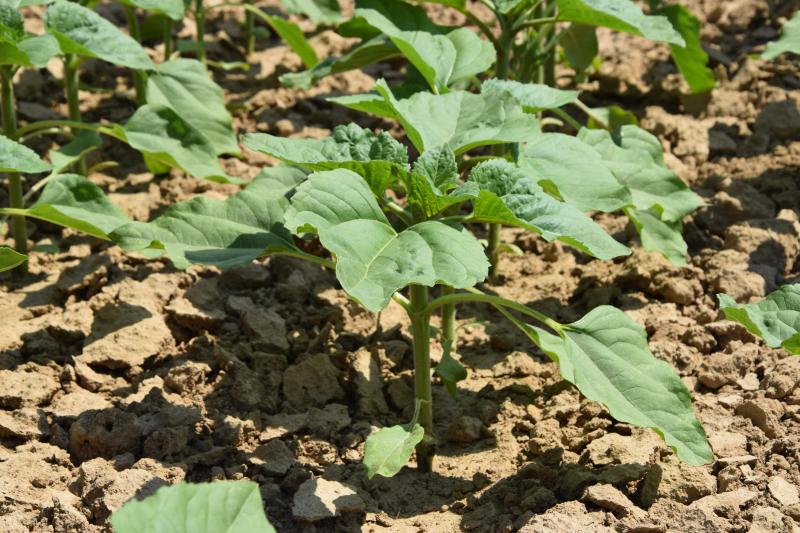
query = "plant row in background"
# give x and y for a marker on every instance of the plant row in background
(493, 143)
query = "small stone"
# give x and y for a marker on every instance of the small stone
(314, 381)
(678, 481)
(465, 429)
(318, 499)
(243, 277)
(727, 444)
(273, 458)
(613, 448)
(29, 387)
(327, 421)
(283, 424)
(765, 413)
(266, 326)
(783, 491)
(737, 460)
(780, 120)
(26, 424)
(186, 377)
(608, 497)
(718, 369)
(199, 308)
(105, 433)
(368, 382)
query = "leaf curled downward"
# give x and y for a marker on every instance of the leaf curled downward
(388, 450)
(10, 258)
(619, 15)
(776, 318)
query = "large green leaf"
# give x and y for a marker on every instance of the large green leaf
(660, 236)
(509, 195)
(605, 355)
(319, 11)
(620, 15)
(533, 97)
(389, 449)
(10, 258)
(442, 57)
(19, 48)
(75, 202)
(776, 318)
(185, 86)
(219, 232)
(218, 507)
(579, 42)
(691, 60)
(174, 9)
(16, 157)
(459, 120)
(576, 169)
(163, 136)
(81, 31)
(788, 42)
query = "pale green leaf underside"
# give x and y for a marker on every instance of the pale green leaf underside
(81, 31)
(776, 318)
(219, 232)
(388, 450)
(620, 15)
(10, 258)
(218, 507)
(788, 42)
(16, 157)
(533, 97)
(605, 355)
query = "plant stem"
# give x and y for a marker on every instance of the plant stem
(448, 317)
(200, 25)
(139, 79)
(493, 249)
(71, 81)
(14, 180)
(167, 38)
(420, 324)
(250, 36)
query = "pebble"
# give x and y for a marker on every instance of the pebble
(318, 499)
(783, 491)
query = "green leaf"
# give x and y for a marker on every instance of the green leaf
(450, 370)
(10, 258)
(81, 31)
(505, 6)
(388, 450)
(184, 86)
(442, 55)
(73, 201)
(17, 47)
(660, 236)
(289, 32)
(691, 60)
(611, 118)
(510, 196)
(776, 318)
(174, 9)
(579, 42)
(619, 15)
(533, 97)
(218, 507)
(86, 141)
(576, 169)
(459, 120)
(788, 42)
(440, 167)
(163, 136)
(605, 355)
(319, 11)
(16, 157)
(220, 232)
(370, 51)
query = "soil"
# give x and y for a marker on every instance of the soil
(120, 375)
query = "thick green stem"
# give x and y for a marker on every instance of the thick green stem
(167, 38)
(448, 317)
(493, 249)
(250, 36)
(420, 325)
(200, 25)
(71, 82)
(139, 79)
(18, 228)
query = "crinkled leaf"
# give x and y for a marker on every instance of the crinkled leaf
(450, 370)
(691, 60)
(776, 318)
(319, 11)
(220, 232)
(441, 56)
(16, 157)
(510, 196)
(10, 258)
(620, 15)
(174, 9)
(388, 450)
(218, 507)
(185, 86)
(533, 97)
(788, 42)
(73, 201)
(579, 42)
(370, 51)
(439, 166)
(81, 31)
(576, 169)
(660, 236)
(86, 141)
(163, 136)
(605, 355)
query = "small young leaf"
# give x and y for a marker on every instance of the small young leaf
(776, 318)
(18, 48)
(16, 157)
(440, 167)
(84, 142)
(533, 97)
(450, 370)
(605, 355)
(611, 118)
(789, 41)
(660, 236)
(619, 15)
(291, 33)
(579, 42)
(218, 507)
(174, 9)
(81, 31)
(319, 11)
(10, 258)
(388, 450)
(691, 60)
(220, 232)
